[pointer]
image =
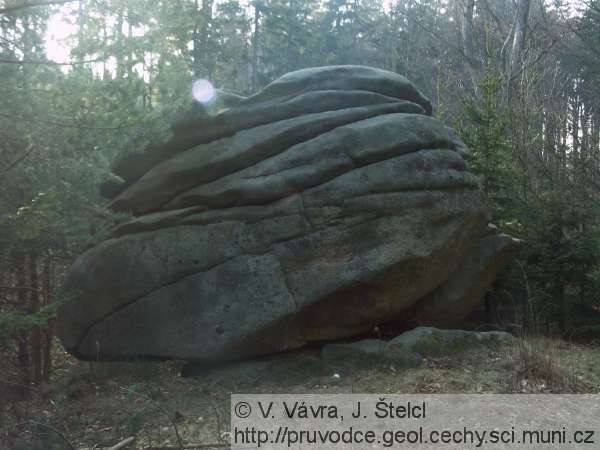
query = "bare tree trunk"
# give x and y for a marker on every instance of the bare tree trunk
(595, 132)
(23, 355)
(203, 65)
(575, 107)
(466, 29)
(119, 40)
(467, 44)
(519, 38)
(255, 47)
(585, 129)
(196, 42)
(105, 74)
(49, 332)
(80, 45)
(36, 332)
(207, 7)
(130, 61)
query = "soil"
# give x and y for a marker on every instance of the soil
(99, 404)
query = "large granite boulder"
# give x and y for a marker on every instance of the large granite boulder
(325, 204)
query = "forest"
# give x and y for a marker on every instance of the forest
(83, 81)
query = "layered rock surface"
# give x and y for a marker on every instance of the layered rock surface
(325, 204)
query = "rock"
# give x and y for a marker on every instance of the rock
(247, 149)
(111, 187)
(429, 341)
(295, 94)
(348, 78)
(325, 204)
(457, 297)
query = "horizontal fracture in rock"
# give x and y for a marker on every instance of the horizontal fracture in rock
(323, 205)
(290, 96)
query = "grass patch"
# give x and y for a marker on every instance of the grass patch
(538, 366)
(100, 403)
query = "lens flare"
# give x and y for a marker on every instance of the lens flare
(203, 91)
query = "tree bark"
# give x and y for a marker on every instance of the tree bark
(595, 132)
(119, 40)
(203, 66)
(36, 331)
(575, 108)
(468, 49)
(49, 332)
(519, 37)
(23, 356)
(467, 28)
(255, 47)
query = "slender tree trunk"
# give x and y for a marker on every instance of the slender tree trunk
(130, 61)
(49, 331)
(575, 120)
(595, 135)
(105, 74)
(196, 57)
(36, 332)
(23, 355)
(467, 27)
(519, 37)
(119, 41)
(207, 6)
(466, 32)
(80, 41)
(255, 41)
(203, 64)
(290, 42)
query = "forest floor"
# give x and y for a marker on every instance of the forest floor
(95, 405)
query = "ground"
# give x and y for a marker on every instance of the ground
(100, 404)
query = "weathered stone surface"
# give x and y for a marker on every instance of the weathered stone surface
(455, 299)
(409, 348)
(290, 96)
(429, 341)
(217, 159)
(325, 204)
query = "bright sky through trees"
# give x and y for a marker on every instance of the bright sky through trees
(60, 30)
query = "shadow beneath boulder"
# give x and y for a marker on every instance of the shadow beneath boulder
(334, 360)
